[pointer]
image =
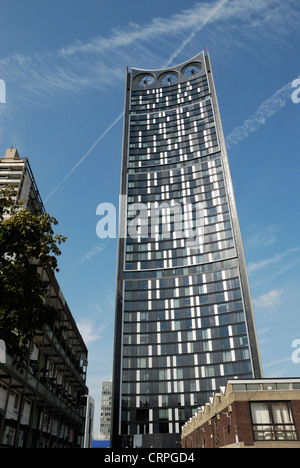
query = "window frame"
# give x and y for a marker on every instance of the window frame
(273, 431)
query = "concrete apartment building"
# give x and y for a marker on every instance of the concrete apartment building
(256, 413)
(43, 406)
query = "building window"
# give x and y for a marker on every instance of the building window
(272, 421)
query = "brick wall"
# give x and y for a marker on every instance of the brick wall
(223, 429)
(296, 415)
(244, 423)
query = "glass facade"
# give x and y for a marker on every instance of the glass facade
(184, 321)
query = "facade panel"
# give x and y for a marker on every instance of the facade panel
(184, 321)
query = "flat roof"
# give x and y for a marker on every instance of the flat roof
(236, 389)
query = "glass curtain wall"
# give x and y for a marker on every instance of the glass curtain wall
(182, 328)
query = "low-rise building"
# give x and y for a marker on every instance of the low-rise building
(253, 413)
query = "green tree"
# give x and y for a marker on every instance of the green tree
(27, 244)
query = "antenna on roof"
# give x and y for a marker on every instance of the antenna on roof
(14, 142)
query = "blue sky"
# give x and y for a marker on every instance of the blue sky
(64, 65)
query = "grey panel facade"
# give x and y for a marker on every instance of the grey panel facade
(184, 320)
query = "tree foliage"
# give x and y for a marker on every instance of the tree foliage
(27, 244)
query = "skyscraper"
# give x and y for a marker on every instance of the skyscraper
(184, 319)
(105, 419)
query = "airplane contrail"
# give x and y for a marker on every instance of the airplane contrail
(265, 111)
(85, 156)
(169, 61)
(196, 31)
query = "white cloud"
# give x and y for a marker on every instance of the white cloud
(42, 78)
(277, 363)
(267, 300)
(124, 37)
(251, 267)
(89, 332)
(94, 251)
(192, 19)
(72, 69)
(262, 236)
